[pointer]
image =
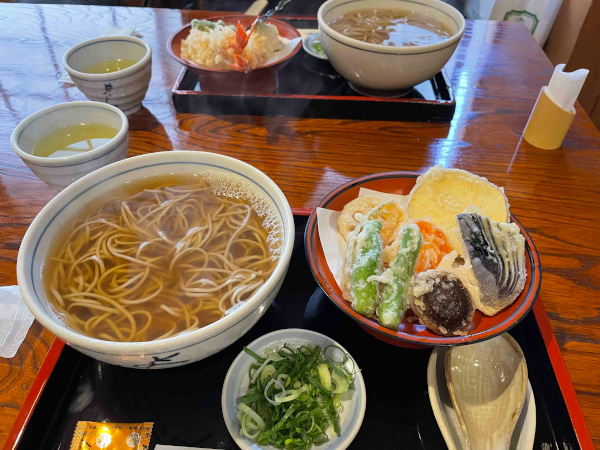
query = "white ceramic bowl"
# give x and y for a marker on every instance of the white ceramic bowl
(60, 172)
(125, 88)
(173, 351)
(236, 384)
(382, 67)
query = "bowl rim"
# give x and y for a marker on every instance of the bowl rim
(109, 76)
(187, 63)
(445, 8)
(276, 337)
(311, 240)
(73, 160)
(139, 163)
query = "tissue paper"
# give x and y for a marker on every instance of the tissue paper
(15, 320)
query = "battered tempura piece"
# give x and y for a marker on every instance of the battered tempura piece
(435, 247)
(362, 263)
(440, 194)
(392, 306)
(497, 253)
(442, 303)
(362, 205)
(391, 215)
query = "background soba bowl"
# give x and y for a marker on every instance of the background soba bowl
(174, 351)
(382, 67)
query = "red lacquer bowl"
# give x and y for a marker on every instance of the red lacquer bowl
(414, 335)
(262, 80)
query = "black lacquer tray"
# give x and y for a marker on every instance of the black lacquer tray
(310, 87)
(185, 402)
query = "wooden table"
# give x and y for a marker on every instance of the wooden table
(496, 72)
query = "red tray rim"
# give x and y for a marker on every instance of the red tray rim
(354, 98)
(541, 317)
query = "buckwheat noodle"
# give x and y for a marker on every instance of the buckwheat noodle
(165, 261)
(390, 27)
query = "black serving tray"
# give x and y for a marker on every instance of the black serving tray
(185, 402)
(310, 87)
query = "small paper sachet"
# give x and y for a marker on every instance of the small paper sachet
(15, 320)
(111, 436)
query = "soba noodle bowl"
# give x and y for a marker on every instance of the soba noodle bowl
(389, 26)
(169, 255)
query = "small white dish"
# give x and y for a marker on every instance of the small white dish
(125, 88)
(447, 419)
(236, 384)
(311, 39)
(60, 172)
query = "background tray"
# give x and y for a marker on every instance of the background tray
(310, 87)
(185, 402)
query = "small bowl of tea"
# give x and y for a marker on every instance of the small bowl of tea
(385, 47)
(64, 142)
(112, 69)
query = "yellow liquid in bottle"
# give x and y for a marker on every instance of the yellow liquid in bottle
(112, 65)
(74, 140)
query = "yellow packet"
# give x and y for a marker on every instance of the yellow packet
(112, 436)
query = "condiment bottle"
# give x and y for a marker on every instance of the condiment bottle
(553, 111)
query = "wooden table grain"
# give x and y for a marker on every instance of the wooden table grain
(496, 72)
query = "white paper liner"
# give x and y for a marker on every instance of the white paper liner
(334, 245)
(288, 46)
(304, 32)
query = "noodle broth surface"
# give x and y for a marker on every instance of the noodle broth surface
(390, 26)
(162, 256)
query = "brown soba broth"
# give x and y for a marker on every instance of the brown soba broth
(163, 256)
(389, 26)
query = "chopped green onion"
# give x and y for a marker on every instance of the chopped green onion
(296, 394)
(267, 371)
(325, 376)
(292, 395)
(260, 359)
(341, 384)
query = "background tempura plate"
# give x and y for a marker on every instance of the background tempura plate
(236, 384)
(414, 335)
(262, 80)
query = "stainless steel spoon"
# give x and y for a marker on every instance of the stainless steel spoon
(270, 12)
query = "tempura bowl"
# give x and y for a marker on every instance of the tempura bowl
(173, 351)
(387, 68)
(411, 334)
